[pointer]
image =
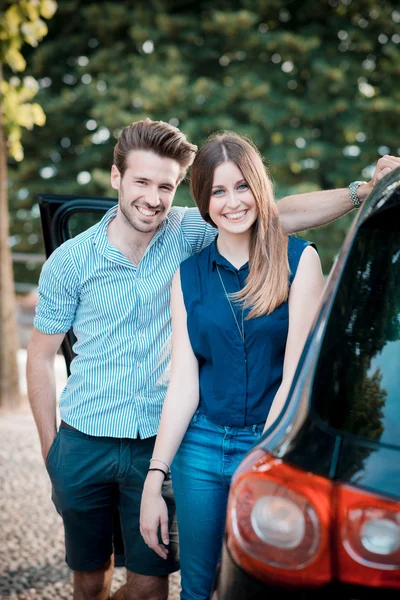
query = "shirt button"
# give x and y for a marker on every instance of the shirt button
(138, 279)
(141, 334)
(139, 364)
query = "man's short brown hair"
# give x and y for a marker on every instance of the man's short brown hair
(156, 136)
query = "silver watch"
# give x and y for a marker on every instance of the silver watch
(353, 187)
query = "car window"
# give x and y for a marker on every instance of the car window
(357, 383)
(80, 221)
(77, 215)
(69, 219)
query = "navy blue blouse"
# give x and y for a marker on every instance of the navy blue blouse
(238, 379)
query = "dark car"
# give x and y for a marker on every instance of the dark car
(314, 509)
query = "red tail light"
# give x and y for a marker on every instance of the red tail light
(293, 528)
(369, 545)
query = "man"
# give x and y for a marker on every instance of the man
(112, 285)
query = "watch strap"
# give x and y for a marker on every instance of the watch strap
(353, 187)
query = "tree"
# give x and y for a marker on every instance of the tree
(311, 82)
(20, 23)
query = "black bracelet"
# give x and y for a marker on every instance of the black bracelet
(161, 471)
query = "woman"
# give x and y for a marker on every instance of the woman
(241, 311)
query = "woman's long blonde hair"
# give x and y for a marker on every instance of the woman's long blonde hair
(267, 284)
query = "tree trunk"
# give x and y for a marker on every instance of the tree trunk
(9, 381)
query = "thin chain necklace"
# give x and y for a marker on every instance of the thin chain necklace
(241, 331)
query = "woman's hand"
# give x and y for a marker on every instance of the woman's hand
(154, 515)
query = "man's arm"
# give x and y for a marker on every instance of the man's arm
(305, 211)
(197, 233)
(55, 314)
(42, 350)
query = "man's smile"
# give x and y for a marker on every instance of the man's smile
(146, 212)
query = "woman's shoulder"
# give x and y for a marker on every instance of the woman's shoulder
(296, 247)
(197, 259)
(193, 270)
(298, 244)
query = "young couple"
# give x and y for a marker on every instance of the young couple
(241, 307)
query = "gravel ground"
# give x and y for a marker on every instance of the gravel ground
(31, 534)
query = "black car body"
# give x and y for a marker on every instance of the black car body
(314, 509)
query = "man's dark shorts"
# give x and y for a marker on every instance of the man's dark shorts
(90, 476)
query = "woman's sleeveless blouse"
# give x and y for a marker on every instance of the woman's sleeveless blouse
(238, 379)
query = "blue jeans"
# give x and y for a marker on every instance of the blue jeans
(201, 476)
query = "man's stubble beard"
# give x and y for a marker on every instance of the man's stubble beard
(137, 226)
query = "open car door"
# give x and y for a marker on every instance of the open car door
(63, 217)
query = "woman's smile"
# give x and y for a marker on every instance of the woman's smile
(236, 216)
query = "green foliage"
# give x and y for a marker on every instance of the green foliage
(310, 82)
(18, 112)
(20, 23)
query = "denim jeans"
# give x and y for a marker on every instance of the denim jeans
(201, 476)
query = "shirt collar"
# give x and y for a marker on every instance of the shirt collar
(100, 238)
(218, 260)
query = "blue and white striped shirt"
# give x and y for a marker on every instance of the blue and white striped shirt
(120, 314)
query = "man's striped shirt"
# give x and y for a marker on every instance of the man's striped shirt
(120, 315)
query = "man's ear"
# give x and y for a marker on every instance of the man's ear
(115, 178)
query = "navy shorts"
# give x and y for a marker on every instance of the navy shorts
(92, 477)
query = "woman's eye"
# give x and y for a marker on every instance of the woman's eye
(218, 192)
(243, 186)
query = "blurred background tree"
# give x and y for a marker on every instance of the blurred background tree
(22, 22)
(311, 82)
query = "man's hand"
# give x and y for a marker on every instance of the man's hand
(46, 445)
(383, 167)
(42, 349)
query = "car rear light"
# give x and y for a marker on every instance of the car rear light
(280, 524)
(294, 528)
(369, 529)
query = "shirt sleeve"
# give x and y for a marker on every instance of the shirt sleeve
(58, 294)
(196, 231)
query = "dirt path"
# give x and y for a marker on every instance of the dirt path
(31, 534)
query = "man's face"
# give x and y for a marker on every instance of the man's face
(146, 190)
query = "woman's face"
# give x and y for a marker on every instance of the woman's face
(232, 205)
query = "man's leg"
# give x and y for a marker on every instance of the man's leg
(82, 471)
(94, 585)
(143, 587)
